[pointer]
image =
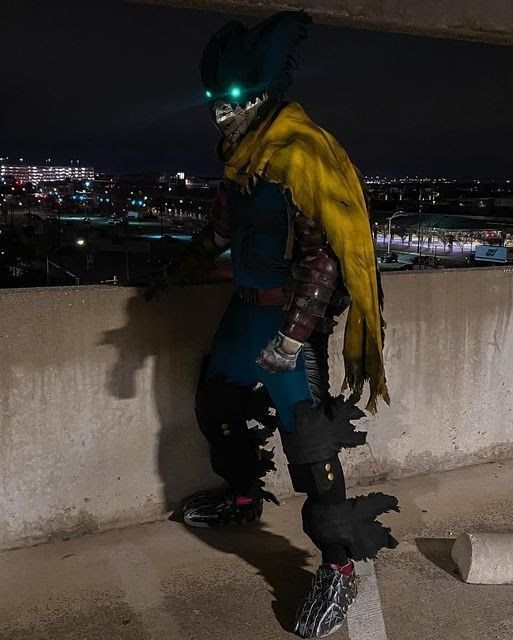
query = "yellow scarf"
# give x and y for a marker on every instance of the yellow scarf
(292, 151)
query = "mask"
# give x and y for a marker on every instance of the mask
(239, 64)
(233, 120)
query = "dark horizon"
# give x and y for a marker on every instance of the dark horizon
(117, 86)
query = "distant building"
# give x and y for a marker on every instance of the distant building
(180, 182)
(45, 173)
(202, 183)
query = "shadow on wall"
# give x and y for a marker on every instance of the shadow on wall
(158, 330)
(172, 332)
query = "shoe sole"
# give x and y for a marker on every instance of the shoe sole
(205, 525)
(325, 635)
(197, 525)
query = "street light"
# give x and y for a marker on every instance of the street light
(395, 215)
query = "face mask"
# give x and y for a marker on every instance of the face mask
(234, 119)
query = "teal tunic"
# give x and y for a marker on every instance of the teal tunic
(259, 228)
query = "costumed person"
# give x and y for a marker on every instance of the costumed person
(291, 208)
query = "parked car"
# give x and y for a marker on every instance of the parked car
(390, 257)
(155, 261)
(425, 262)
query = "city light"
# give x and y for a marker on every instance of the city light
(97, 200)
(45, 173)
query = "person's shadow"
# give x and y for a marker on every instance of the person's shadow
(176, 332)
(281, 564)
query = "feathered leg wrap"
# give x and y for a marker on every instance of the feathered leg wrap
(335, 524)
(321, 432)
(237, 452)
(351, 523)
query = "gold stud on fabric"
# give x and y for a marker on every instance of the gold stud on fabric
(331, 477)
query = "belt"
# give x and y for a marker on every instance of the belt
(263, 297)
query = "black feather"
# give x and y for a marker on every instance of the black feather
(351, 523)
(260, 59)
(321, 432)
(213, 51)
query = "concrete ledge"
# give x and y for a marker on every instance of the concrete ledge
(97, 426)
(475, 20)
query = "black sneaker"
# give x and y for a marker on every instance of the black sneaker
(213, 509)
(324, 609)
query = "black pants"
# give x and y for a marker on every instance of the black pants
(223, 410)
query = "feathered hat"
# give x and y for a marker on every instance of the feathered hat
(256, 60)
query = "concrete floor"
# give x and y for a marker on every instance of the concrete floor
(165, 581)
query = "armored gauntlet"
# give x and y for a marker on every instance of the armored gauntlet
(312, 290)
(312, 284)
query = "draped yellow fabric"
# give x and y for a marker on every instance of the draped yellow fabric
(289, 149)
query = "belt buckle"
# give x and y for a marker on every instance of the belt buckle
(248, 294)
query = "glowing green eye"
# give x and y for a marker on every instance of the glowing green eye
(235, 92)
(208, 94)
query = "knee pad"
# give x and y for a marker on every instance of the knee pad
(321, 432)
(323, 480)
(224, 408)
(312, 448)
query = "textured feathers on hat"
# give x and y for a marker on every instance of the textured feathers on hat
(260, 59)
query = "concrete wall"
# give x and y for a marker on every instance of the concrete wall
(96, 395)
(490, 21)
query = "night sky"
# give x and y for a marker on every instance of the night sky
(117, 85)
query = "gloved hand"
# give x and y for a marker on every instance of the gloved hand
(186, 268)
(280, 354)
(171, 275)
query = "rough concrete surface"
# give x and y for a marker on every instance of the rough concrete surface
(484, 558)
(165, 581)
(468, 20)
(97, 425)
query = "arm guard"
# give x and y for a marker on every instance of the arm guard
(200, 256)
(206, 247)
(214, 237)
(312, 285)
